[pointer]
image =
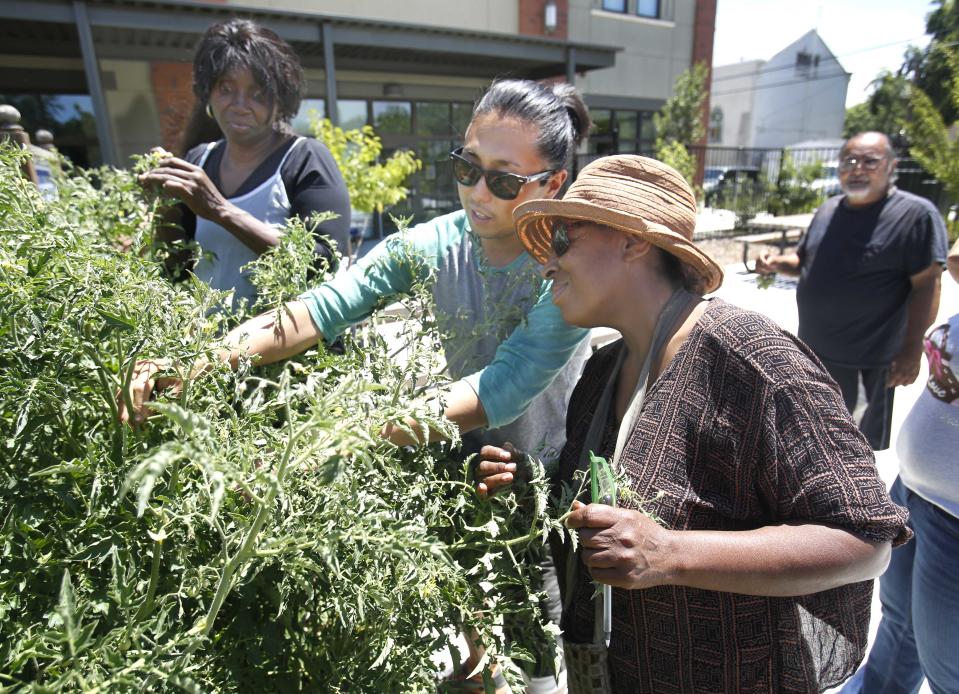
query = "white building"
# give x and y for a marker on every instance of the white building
(799, 94)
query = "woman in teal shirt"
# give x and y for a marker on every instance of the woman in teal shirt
(506, 341)
(512, 358)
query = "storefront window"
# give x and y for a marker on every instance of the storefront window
(462, 113)
(68, 116)
(647, 129)
(301, 121)
(434, 182)
(648, 8)
(394, 117)
(626, 124)
(602, 121)
(352, 113)
(432, 118)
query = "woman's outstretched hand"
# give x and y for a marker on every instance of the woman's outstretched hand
(497, 468)
(141, 389)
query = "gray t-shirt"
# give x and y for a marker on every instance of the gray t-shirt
(929, 439)
(502, 333)
(478, 306)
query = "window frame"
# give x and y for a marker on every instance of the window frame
(625, 10)
(658, 11)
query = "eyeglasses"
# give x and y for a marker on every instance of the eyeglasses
(868, 163)
(502, 184)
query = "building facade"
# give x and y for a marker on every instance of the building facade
(112, 78)
(797, 95)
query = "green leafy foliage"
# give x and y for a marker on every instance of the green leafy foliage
(792, 193)
(676, 155)
(885, 110)
(934, 143)
(929, 67)
(373, 184)
(681, 118)
(679, 122)
(288, 269)
(766, 281)
(258, 534)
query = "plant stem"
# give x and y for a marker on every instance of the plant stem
(246, 549)
(147, 605)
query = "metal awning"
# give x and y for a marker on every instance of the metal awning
(169, 30)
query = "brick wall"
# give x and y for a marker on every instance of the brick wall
(173, 91)
(532, 12)
(704, 28)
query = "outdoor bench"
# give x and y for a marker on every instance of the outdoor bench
(781, 237)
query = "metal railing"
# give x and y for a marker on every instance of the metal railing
(748, 173)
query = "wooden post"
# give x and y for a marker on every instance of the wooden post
(10, 129)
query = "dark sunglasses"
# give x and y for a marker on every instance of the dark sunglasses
(559, 238)
(502, 184)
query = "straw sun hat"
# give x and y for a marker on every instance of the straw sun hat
(635, 194)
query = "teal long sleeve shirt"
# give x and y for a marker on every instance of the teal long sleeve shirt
(502, 333)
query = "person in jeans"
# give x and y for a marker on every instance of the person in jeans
(919, 632)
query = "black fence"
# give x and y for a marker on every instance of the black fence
(730, 176)
(729, 170)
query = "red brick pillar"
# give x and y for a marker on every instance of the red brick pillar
(704, 27)
(532, 13)
(173, 90)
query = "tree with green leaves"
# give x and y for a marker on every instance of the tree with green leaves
(793, 192)
(885, 109)
(679, 123)
(930, 68)
(373, 184)
(934, 142)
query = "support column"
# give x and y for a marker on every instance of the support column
(329, 65)
(571, 65)
(704, 28)
(108, 150)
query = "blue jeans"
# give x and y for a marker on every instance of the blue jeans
(919, 632)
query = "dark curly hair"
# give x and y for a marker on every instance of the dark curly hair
(240, 43)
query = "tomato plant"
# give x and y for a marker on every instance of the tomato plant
(258, 534)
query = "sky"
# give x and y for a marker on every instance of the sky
(866, 36)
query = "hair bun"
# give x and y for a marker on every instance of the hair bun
(574, 119)
(575, 108)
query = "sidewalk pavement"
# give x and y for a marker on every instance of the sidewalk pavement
(779, 303)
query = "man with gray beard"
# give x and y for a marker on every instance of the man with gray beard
(869, 270)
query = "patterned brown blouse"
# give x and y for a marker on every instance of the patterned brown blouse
(742, 429)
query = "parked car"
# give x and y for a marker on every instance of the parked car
(728, 183)
(828, 183)
(711, 175)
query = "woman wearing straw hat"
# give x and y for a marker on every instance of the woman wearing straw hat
(728, 430)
